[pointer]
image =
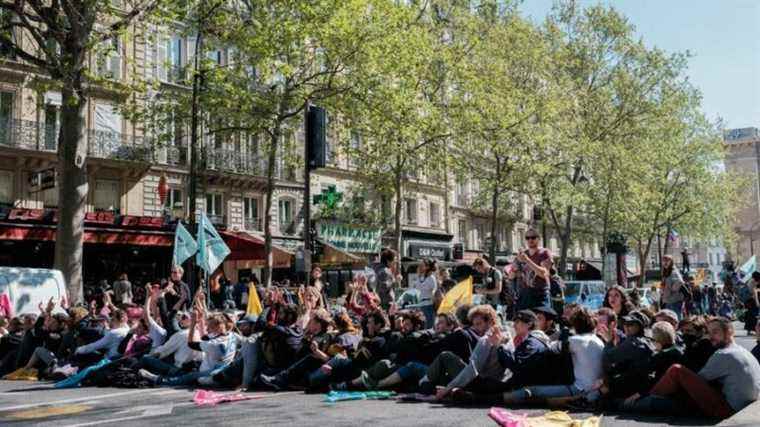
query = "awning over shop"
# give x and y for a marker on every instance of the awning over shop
(334, 256)
(91, 235)
(244, 246)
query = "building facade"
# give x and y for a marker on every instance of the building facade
(743, 157)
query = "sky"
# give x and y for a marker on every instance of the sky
(723, 37)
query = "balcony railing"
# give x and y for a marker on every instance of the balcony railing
(36, 136)
(253, 224)
(235, 162)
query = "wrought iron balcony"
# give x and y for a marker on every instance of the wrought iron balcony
(36, 136)
(235, 162)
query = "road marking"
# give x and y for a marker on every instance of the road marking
(52, 411)
(150, 411)
(88, 399)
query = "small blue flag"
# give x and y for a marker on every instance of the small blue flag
(184, 245)
(211, 247)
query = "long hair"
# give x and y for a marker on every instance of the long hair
(625, 300)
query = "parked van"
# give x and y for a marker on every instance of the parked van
(587, 293)
(28, 287)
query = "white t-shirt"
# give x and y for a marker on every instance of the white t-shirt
(586, 351)
(217, 352)
(426, 286)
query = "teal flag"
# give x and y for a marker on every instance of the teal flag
(749, 267)
(211, 248)
(184, 245)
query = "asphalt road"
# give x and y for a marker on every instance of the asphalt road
(24, 403)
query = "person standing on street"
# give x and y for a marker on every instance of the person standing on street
(535, 263)
(122, 290)
(386, 279)
(672, 284)
(427, 284)
(491, 281)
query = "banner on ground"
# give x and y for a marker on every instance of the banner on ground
(211, 248)
(184, 245)
(458, 295)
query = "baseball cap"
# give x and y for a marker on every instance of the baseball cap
(637, 317)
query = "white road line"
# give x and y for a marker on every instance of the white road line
(88, 399)
(176, 405)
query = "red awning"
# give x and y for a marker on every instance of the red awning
(247, 247)
(94, 236)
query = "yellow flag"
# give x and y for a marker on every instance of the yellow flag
(254, 305)
(700, 277)
(458, 295)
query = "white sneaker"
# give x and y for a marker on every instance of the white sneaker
(148, 375)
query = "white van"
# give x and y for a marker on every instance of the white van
(28, 287)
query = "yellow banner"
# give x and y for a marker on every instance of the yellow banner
(458, 295)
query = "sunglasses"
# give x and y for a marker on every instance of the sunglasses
(531, 237)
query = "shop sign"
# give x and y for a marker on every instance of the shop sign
(349, 238)
(427, 251)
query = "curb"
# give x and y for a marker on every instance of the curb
(749, 416)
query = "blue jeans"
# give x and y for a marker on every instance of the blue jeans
(429, 312)
(543, 391)
(186, 379)
(412, 370)
(158, 366)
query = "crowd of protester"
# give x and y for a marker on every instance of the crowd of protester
(518, 345)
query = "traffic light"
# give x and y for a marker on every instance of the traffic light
(316, 140)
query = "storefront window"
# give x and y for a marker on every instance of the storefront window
(173, 199)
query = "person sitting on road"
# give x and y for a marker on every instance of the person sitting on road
(109, 344)
(696, 344)
(208, 335)
(732, 367)
(627, 361)
(586, 350)
(524, 357)
(176, 349)
(546, 321)
(667, 355)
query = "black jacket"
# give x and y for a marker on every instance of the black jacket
(632, 354)
(527, 362)
(696, 353)
(460, 342)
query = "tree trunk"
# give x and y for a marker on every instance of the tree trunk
(643, 254)
(72, 189)
(398, 190)
(605, 233)
(666, 245)
(274, 143)
(494, 211)
(565, 241)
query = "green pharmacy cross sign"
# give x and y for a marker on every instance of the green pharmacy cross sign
(329, 197)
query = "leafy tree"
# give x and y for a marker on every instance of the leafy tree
(505, 114)
(612, 83)
(58, 38)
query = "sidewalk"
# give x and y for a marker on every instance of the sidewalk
(749, 416)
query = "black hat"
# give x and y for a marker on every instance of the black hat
(526, 316)
(250, 319)
(637, 317)
(548, 312)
